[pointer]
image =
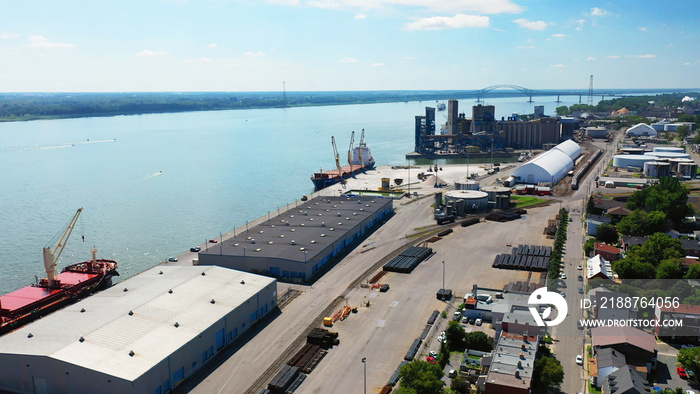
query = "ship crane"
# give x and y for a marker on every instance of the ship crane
(337, 160)
(352, 144)
(359, 151)
(51, 256)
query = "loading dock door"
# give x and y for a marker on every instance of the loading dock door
(220, 339)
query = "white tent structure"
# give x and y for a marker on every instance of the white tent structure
(551, 166)
(641, 129)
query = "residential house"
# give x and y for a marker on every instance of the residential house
(689, 314)
(639, 347)
(593, 221)
(625, 381)
(607, 361)
(608, 252)
(599, 268)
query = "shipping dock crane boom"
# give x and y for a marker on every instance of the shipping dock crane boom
(352, 144)
(51, 256)
(337, 159)
(362, 145)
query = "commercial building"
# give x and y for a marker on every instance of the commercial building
(641, 130)
(145, 335)
(296, 244)
(639, 347)
(531, 135)
(599, 268)
(688, 314)
(452, 116)
(549, 167)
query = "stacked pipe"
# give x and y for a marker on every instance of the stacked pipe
(284, 380)
(526, 258)
(413, 350)
(408, 259)
(323, 338)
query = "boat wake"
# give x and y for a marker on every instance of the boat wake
(155, 174)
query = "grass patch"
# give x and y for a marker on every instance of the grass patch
(526, 201)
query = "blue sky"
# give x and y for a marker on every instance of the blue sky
(229, 45)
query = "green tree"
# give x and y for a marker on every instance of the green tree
(659, 247)
(693, 272)
(478, 340)
(455, 335)
(422, 377)
(655, 223)
(633, 224)
(548, 374)
(562, 110)
(607, 234)
(669, 269)
(632, 268)
(683, 131)
(690, 358)
(589, 246)
(460, 385)
(590, 205)
(669, 196)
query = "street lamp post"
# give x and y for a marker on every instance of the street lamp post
(364, 364)
(443, 274)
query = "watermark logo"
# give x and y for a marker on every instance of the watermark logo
(543, 297)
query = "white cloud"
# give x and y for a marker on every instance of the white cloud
(254, 54)
(613, 57)
(347, 60)
(148, 53)
(647, 56)
(595, 11)
(212, 46)
(589, 58)
(580, 24)
(532, 25)
(449, 6)
(559, 35)
(643, 28)
(8, 35)
(378, 65)
(360, 16)
(445, 22)
(558, 65)
(686, 64)
(527, 47)
(43, 42)
(202, 60)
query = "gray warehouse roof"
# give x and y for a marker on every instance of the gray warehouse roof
(301, 232)
(110, 333)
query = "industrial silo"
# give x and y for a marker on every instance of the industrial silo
(472, 200)
(502, 201)
(466, 184)
(688, 169)
(651, 169)
(494, 191)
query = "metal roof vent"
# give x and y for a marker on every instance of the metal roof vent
(131, 313)
(212, 301)
(235, 244)
(262, 231)
(338, 214)
(332, 229)
(302, 248)
(82, 310)
(323, 224)
(340, 223)
(273, 226)
(125, 289)
(313, 241)
(170, 291)
(306, 214)
(323, 235)
(320, 214)
(316, 203)
(311, 219)
(328, 210)
(286, 224)
(335, 206)
(372, 201)
(29, 335)
(294, 242)
(203, 273)
(160, 273)
(242, 282)
(177, 324)
(302, 225)
(257, 250)
(270, 243)
(252, 241)
(359, 202)
(367, 205)
(347, 218)
(355, 213)
(249, 238)
(81, 340)
(291, 216)
(362, 209)
(281, 235)
(131, 353)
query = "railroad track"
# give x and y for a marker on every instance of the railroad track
(298, 343)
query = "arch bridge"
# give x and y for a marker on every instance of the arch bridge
(530, 93)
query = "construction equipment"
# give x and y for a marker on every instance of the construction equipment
(337, 160)
(51, 256)
(362, 144)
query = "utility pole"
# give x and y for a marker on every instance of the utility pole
(364, 364)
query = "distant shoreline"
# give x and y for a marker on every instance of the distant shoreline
(20, 107)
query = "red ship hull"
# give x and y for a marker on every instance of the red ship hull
(75, 282)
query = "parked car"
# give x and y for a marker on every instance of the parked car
(477, 322)
(457, 315)
(431, 360)
(563, 276)
(579, 359)
(580, 290)
(173, 259)
(195, 249)
(682, 373)
(433, 353)
(578, 267)
(580, 278)
(465, 319)
(213, 241)
(471, 321)
(452, 373)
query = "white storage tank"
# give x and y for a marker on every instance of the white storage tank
(668, 155)
(669, 149)
(689, 169)
(467, 200)
(502, 201)
(466, 184)
(494, 191)
(625, 161)
(657, 169)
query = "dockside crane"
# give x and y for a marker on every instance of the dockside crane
(359, 151)
(337, 160)
(352, 144)
(51, 256)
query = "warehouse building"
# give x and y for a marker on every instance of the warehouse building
(297, 243)
(549, 167)
(145, 335)
(641, 130)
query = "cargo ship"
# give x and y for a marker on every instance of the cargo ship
(57, 290)
(359, 160)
